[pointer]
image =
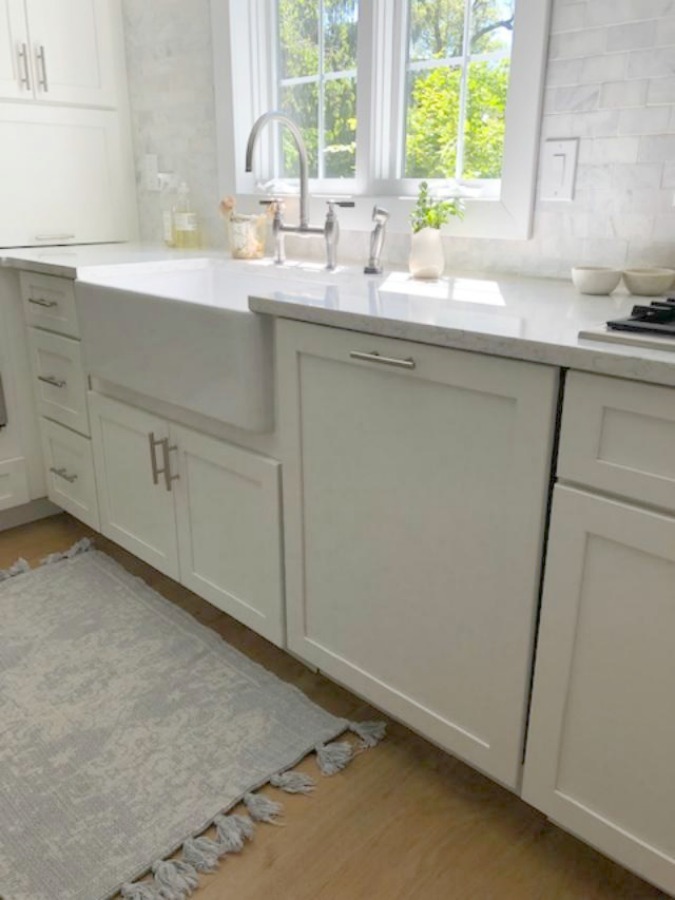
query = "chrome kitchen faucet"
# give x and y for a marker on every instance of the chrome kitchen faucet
(331, 229)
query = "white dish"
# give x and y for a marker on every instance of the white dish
(649, 282)
(595, 279)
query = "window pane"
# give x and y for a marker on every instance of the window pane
(436, 29)
(340, 24)
(433, 116)
(485, 128)
(492, 25)
(298, 37)
(301, 103)
(340, 118)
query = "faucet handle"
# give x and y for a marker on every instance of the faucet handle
(345, 204)
(272, 201)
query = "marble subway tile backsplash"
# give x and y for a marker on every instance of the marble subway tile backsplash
(610, 82)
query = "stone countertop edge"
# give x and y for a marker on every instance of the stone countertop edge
(616, 360)
(633, 363)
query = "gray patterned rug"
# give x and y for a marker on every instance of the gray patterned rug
(126, 729)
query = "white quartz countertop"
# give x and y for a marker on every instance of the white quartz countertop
(538, 320)
(524, 318)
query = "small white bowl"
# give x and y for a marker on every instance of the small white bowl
(595, 279)
(649, 282)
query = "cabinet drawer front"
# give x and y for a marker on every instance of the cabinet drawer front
(59, 379)
(70, 472)
(49, 303)
(618, 436)
(13, 483)
(601, 740)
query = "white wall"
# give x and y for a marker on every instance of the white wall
(610, 81)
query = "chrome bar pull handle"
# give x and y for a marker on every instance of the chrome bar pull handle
(168, 477)
(154, 443)
(55, 238)
(375, 357)
(39, 301)
(63, 473)
(41, 60)
(24, 76)
(54, 382)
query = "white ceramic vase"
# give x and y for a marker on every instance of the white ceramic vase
(426, 254)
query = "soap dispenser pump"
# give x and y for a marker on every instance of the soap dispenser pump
(185, 221)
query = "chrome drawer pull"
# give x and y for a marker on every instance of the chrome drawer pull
(166, 458)
(41, 59)
(374, 356)
(54, 238)
(63, 473)
(38, 301)
(24, 78)
(156, 471)
(168, 477)
(50, 379)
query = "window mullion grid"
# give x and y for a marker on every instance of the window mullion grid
(321, 142)
(463, 91)
(277, 152)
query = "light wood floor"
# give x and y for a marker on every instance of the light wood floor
(404, 821)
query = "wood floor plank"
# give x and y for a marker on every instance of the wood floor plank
(404, 821)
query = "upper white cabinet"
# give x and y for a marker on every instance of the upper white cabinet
(16, 79)
(67, 177)
(601, 744)
(415, 490)
(59, 52)
(65, 143)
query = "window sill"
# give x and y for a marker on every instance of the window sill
(484, 218)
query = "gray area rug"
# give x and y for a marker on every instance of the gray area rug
(126, 729)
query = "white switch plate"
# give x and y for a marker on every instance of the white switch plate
(559, 169)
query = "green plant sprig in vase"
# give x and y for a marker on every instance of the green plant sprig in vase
(429, 214)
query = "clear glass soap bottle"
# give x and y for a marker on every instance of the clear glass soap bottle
(185, 222)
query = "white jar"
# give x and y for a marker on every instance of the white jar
(426, 254)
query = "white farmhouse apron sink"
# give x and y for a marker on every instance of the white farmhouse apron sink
(181, 331)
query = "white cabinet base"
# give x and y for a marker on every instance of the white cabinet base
(414, 505)
(135, 513)
(13, 483)
(601, 745)
(229, 530)
(70, 472)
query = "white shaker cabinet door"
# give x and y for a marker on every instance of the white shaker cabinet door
(135, 503)
(601, 746)
(229, 529)
(65, 178)
(16, 76)
(415, 491)
(73, 46)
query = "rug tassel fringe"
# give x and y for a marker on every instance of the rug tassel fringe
(293, 782)
(19, 567)
(175, 879)
(233, 832)
(370, 733)
(262, 809)
(333, 758)
(178, 879)
(203, 853)
(80, 546)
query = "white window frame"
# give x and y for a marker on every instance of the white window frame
(244, 47)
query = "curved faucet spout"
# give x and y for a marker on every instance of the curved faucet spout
(283, 119)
